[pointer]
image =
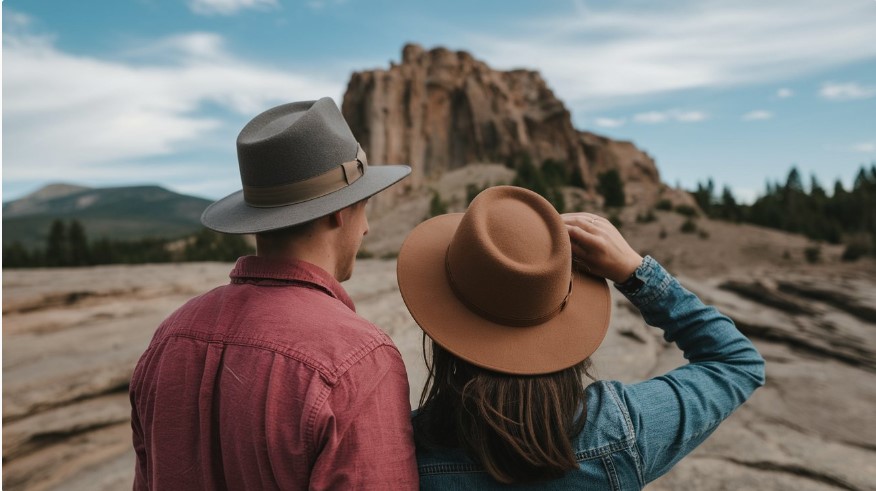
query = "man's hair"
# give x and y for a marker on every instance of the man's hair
(518, 427)
(288, 232)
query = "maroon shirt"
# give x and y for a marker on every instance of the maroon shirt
(272, 382)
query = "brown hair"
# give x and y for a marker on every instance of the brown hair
(518, 427)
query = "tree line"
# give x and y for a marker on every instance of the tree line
(846, 216)
(67, 244)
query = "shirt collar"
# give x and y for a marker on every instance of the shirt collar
(254, 268)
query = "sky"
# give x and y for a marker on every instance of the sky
(126, 92)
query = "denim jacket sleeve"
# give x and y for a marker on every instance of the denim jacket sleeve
(673, 413)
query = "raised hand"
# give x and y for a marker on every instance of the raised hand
(599, 247)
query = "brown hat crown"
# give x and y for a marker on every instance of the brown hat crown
(495, 285)
(510, 259)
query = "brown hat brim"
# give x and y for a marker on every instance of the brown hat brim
(563, 341)
(233, 215)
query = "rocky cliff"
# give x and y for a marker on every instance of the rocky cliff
(439, 110)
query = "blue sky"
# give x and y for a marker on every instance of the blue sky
(108, 93)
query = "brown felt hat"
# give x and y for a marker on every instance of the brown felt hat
(495, 286)
(298, 162)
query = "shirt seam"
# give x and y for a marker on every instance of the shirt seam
(330, 375)
(310, 439)
(631, 431)
(328, 387)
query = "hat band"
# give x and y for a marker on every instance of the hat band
(500, 319)
(308, 189)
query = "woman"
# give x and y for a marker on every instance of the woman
(512, 326)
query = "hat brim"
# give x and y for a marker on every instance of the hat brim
(233, 215)
(563, 341)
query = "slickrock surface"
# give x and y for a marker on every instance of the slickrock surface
(72, 336)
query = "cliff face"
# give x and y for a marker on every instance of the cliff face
(439, 110)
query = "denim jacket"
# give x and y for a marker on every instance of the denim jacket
(634, 433)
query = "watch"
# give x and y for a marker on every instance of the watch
(632, 284)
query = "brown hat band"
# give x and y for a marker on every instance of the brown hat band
(308, 189)
(499, 319)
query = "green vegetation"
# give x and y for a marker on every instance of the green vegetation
(843, 217)
(68, 245)
(611, 187)
(647, 217)
(688, 227)
(436, 205)
(686, 210)
(813, 253)
(663, 204)
(546, 181)
(615, 220)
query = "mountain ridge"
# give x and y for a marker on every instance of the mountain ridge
(118, 213)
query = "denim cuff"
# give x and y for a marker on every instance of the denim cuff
(656, 281)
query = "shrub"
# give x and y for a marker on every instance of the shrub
(704, 234)
(857, 247)
(472, 190)
(436, 206)
(689, 226)
(615, 220)
(664, 204)
(812, 253)
(647, 217)
(686, 210)
(364, 254)
(663, 233)
(555, 173)
(611, 187)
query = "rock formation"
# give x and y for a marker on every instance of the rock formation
(439, 110)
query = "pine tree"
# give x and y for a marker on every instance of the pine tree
(57, 251)
(78, 245)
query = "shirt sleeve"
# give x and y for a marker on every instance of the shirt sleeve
(675, 412)
(140, 469)
(363, 431)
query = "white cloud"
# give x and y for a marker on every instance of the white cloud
(758, 115)
(652, 117)
(229, 7)
(689, 116)
(600, 57)
(846, 91)
(610, 122)
(784, 93)
(77, 117)
(655, 117)
(864, 147)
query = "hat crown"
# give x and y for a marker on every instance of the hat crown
(294, 142)
(510, 259)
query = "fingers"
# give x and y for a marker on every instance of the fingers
(582, 219)
(582, 236)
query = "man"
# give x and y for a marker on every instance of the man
(273, 381)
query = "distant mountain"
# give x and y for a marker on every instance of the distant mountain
(127, 213)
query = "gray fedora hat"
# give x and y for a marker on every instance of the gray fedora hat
(298, 162)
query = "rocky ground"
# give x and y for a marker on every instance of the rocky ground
(72, 336)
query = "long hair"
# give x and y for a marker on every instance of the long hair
(518, 427)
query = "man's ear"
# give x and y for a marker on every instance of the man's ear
(336, 219)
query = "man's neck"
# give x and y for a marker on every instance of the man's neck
(318, 254)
